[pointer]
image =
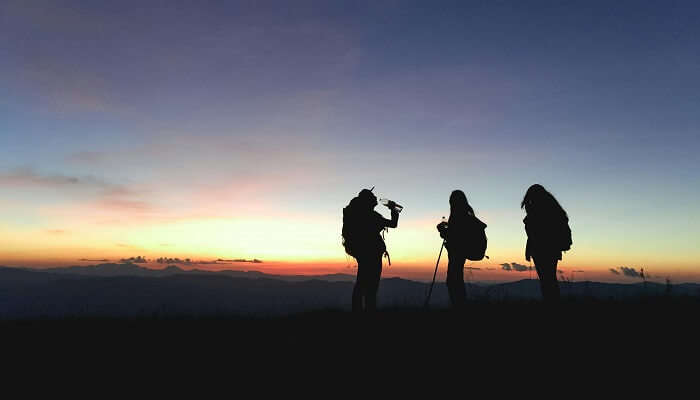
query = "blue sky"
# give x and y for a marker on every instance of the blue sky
(220, 109)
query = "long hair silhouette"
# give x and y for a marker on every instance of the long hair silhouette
(459, 204)
(548, 234)
(538, 200)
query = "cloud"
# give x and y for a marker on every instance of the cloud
(241, 260)
(472, 269)
(520, 267)
(97, 196)
(185, 261)
(173, 260)
(631, 272)
(134, 260)
(628, 272)
(24, 177)
(93, 260)
(28, 177)
(56, 231)
(515, 267)
(579, 270)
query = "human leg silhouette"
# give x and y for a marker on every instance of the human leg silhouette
(369, 271)
(547, 272)
(357, 293)
(455, 280)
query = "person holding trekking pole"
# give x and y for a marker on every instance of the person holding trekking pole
(464, 238)
(548, 234)
(361, 238)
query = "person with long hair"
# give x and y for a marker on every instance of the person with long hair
(548, 234)
(458, 232)
(361, 238)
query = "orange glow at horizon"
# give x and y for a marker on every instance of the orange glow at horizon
(293, 244)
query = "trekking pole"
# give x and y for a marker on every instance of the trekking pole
(427, 299)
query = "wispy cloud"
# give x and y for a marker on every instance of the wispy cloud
(28, 177)
(23, 177)
(93, 193)
(56, 231)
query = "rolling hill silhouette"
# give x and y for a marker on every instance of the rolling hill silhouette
(119, 290)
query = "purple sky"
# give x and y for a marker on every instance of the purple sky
(214, 109)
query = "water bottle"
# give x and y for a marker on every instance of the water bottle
(386, 202)
(442, 226)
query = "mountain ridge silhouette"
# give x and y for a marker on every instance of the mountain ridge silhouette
(131, 269)
(31, 293)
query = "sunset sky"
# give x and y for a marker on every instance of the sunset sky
(212, 129)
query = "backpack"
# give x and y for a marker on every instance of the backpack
(565, 237)
(476, 243)
(358, 234)
(351, 231)
(347, 232)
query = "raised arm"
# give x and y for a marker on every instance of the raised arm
(389, 223)
(394, 222)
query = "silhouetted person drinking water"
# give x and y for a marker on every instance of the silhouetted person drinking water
(464, 239)
(548, 234)
(362, 240)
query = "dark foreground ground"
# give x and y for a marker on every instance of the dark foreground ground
(500, 336)
(524, 349)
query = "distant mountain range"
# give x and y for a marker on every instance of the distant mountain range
(130, 269)
(131, 290)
